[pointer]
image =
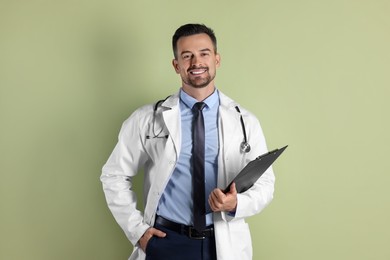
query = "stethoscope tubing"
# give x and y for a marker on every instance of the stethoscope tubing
(244, 146)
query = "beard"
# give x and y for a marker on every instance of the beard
(199, 81)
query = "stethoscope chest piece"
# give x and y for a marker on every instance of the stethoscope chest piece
(245, 147)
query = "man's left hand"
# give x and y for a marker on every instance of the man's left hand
(220, 201)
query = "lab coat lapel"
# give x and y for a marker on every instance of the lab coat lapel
(169, 155)
(229, 121)
(172, 121)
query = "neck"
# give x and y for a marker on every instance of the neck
(199, 94)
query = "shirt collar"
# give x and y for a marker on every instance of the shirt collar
(210, 101)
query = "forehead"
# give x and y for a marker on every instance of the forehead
(195, 42)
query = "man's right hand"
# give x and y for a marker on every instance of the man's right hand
(150, 232)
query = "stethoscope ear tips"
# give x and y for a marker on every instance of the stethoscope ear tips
(245, 147)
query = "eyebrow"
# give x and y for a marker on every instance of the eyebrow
(202, 50)
(183, 52)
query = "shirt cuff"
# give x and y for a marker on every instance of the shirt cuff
(232, 213)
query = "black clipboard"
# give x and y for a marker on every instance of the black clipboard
(254, 169)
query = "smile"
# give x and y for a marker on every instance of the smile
(197, 71)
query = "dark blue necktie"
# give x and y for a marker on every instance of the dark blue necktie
(198, 183)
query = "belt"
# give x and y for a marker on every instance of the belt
(189, 231)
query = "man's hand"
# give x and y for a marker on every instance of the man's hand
(220, 201)
(150, 232)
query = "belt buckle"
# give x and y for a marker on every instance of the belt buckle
(194, 234)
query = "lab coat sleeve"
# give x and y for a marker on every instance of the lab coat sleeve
(124, 163)
(255, 199)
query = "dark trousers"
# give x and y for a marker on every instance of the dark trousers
(176, 246)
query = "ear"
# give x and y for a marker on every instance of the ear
(175, 65)
(217, 60)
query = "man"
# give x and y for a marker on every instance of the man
(174, 148)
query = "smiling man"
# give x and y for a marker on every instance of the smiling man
(196, 60)
(189, 148)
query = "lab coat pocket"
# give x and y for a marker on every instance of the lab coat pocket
(154, 146)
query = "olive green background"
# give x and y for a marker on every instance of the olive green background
(316, 73)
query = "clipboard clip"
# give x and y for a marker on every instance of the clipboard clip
(263, 155)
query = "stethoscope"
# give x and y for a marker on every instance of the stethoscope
(244, 146)
(154, 121)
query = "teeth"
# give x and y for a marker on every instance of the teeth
(197, 72)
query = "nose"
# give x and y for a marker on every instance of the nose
(195, 61)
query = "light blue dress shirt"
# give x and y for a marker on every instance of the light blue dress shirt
(176, 201)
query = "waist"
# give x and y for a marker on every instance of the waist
(185, 230)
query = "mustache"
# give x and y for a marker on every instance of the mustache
(197, 68)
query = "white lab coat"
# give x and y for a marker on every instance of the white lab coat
(137, 149)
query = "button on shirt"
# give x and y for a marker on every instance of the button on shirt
(176, 202)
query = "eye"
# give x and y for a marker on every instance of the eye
(205, 54)
(186, 56)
